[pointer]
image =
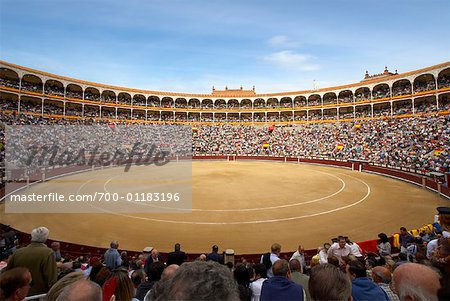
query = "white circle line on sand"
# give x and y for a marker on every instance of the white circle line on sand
(252, 222)
(246, 209)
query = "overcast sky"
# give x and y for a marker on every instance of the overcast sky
(191, 45)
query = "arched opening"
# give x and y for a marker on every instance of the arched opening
(314, 100)
(233, 104)
(139, 101)
(345, 96)
(286, 102)
(9, 78)
(31, 83)
(167, 102)
(362, 94)
(153, 101)
(53, 107)
(329, 98)
(444, 79)
(220, 117)
(108, 96)
(300, 101)
(220, 104)
(74, 91)
(272, 103)
(124, 98)
(259, 103)
(401, 87)
(424, 82)
(181, 103)
(193, 103)
(92, 94)
(246, 104)
(207, 104)
(381, 91)
(54, 87)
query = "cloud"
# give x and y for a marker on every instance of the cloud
(291, 60)
(282, 41)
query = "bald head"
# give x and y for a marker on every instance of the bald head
(295, 265)
(170, 271)
(416, 282)
(280, 268)
(81, 290)
(381, 275)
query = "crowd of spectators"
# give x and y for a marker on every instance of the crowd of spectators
(339, 271)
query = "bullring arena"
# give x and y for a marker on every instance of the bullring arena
(245, 205)
(295, 167)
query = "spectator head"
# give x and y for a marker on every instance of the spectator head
(381, 275)
(281, 268)
(341, 242)
(355, 269)
(81, 290)
(177, 247)
(155, 253)
(62, 283)
(55, 246)
(39, 234)
(200, 280)
(138, 277)
(119, 285)
(170, 271)
(416, 282)
(327, 282)
(334, 261)
(383, 237)
(155, 271)
(300, 249)
(242, 275)
(295, 265)
(326, 246)
(215, 249)
(276, 248)
(114, 244)
(260, 271)
(15, 284)
(403, 231)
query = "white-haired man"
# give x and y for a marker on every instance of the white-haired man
(416, 282)
(39, 260)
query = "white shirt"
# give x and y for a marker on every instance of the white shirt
(336, 250)
(299, 257)
(323, 256)
(273, 258)
(256, 286)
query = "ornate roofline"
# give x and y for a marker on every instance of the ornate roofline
(199, 95)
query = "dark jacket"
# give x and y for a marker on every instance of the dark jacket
(176, 257)
(281, 288)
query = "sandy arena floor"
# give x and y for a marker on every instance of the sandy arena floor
(245, 206)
